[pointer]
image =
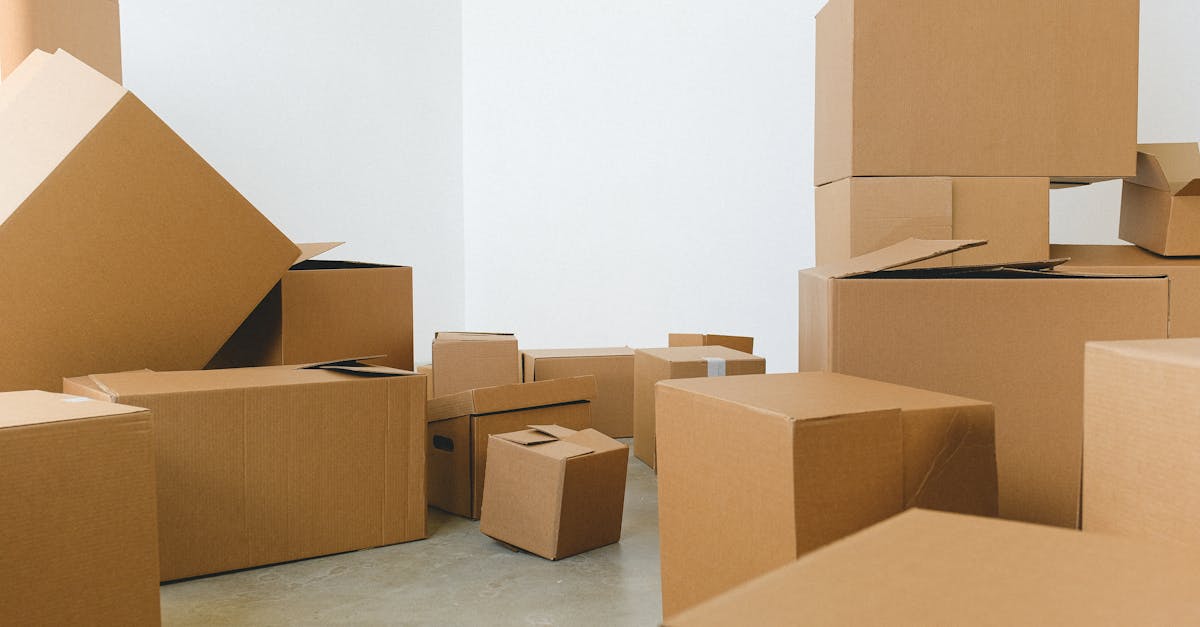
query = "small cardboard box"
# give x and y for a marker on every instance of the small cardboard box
(856, 216)
(88, 29)
(460, 424)
(612, 411)
(323, 310)
(1010, 334)
(553, 491)
(929, 568)
(465, 361)
(736, 342)
(80, 543)
(651, 365)
(756, 471)
(265, 465)
(121, 247)
(1160, 207)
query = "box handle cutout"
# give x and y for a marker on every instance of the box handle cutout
(443, 443)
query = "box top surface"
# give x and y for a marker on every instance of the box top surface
(469, 336)
(676, 354)
(502, 398)
(1179, 351)
(561, 443)
(20, 409)
(552, 353)
(1172, 168)
(1116, 255)
(146, 382)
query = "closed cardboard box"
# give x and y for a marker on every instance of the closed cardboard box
(1160, 207)
(460, 424)
(736, 342)
(976, 88)
(80, 543)
(756, 471)
(1010, 335)
(465, 361)
(121, 247)
(264, 465)
(90, 30)
(612, 411)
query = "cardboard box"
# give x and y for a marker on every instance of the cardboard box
(1160, 207)
(460, 424)
(736, 342)
(612, 411)
(553, 491)
(976, 88)
(122, 248)
(651, 365)
(265, 465)
(323, 310)
(80, 543)
(427, 370)
(756, 471)
(88, 29)
(465, 361)
(929, 568)
(856, 216)
(1011, 335)
(1141, 468)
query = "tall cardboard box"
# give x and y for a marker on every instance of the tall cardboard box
(265, 465)
(928, 568)
(465, 361)
(651, 365)
(323, 310)
(976, 88)
(855, 216)
(1011, 335)
(460, 424)
(1160, 207)
(756, 471)
(120, 247)
(612, 410)
(736, 342)
(88, 29)
(80, 543)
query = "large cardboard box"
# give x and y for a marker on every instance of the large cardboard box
(612, 410)
(855, 216)
(756, 471)
(651, 365)
(1141, 439)
(460, 424)
(264, 465)
(88, 29)
(322, 310)
(736, 342)
(1160, 207)
(1011, 335)
(976, 88)
(120, 247)
(553, 491)
(465, 361)
(80, 543)
(929, 568)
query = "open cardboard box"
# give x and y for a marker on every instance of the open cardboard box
(1160, 207)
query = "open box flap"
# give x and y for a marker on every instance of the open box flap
(1169, 167)
(903, 253)
(308, 251)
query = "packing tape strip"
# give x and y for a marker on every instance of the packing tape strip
(716, 366)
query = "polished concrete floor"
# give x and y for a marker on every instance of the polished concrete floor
(456, 577)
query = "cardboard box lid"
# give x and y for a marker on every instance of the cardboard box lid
(501, 398)
(552, 353)
(472, 336)
(547, 440)
(678, 354)
(30, 407)
(1171, 168)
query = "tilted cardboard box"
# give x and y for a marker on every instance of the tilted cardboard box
(121, 247)
(756, 471)
(460, 424)
(1012, 335)
(88, 29)
(465, 361)
(1160, 207)
(612, 410)
(929, 568)
(553, 491)
(736, 342)
(80, 543)
(265, 465)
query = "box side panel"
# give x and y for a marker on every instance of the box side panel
(685, 339)
(816, 324)
(1012, 214)
(612, 411)
(259, 341)
(736, 342)
(521, 506)
(834, 92)
(593, 502)
(1145, 217)
(462, 366)
(647, 370)
(448, 465)
(1183, 228)
(404, 505)
(832, 220)
(950, 459)
(1185, 287)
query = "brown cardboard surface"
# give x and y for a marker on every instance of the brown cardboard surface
(465, 361)
(931, 568)
(1160, 207)
(755, 471)
(741, 343)
(427, 370)
(80, 540)
(88, 29)
(612, 409)
(1018, 88)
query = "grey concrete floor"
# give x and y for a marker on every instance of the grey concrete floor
(457, 576)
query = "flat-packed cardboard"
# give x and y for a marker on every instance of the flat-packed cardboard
(1012, 335)
(80, 542)
(465, 361)
(322, 310)
(612, 410)
(930, 568)
(1141, 439)
(976, 88)
(460, 424)
(651, 365)
(856, 216)
(265, 465)
(1160, 207)
(88, 29)
(736, 342)
(756, 471)
(120, 248)
(553, 491)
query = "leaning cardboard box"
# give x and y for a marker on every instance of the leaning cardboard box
(741, 343)
(612, 411)
(460, 424)
(1160, 207)
(465, 361)
(1011, 334)
(756, 471)
(264, 465)
(88, 29)
(80, 543)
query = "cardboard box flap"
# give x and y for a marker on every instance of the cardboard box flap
(550, 353)
(952, 271)
(470, 336)
(527, 437)
(308, 251)
(511, 397)
(554, 431)
(903, 253)
(1169, 167)
(544, 443)
(33, 407)
(678, 354)
(357, 368)
(145, 382)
